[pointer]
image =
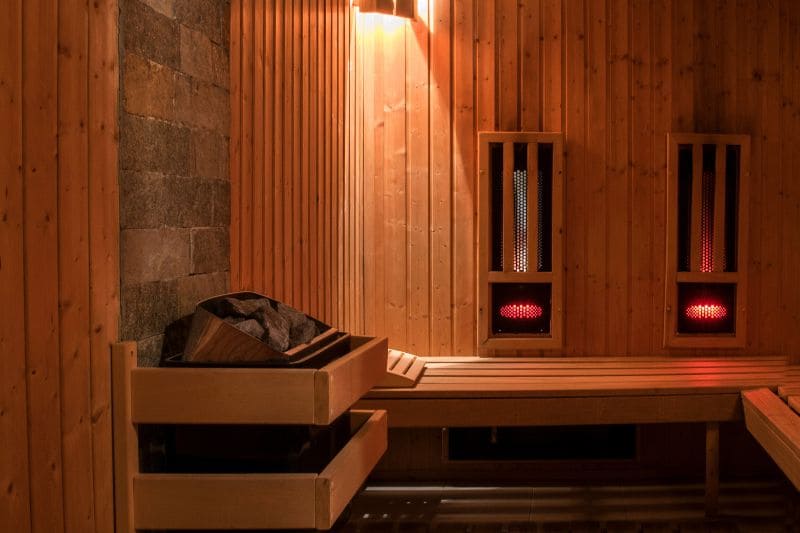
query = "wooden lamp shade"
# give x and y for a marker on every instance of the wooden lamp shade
(398, 8)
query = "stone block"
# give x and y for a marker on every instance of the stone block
(189, 202)
(154, 254)
(142, 200)
(165, 7)
(148, 350)
(209, 155)
(212, 17)
(210, 250)
(221, 203)
(205, 106)
(147, 308)
(149, 33)
(193, 289)
(202, 59)
(153, 145)
(150, 89)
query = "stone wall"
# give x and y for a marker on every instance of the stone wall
(174, 177)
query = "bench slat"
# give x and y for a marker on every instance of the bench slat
(776, 427)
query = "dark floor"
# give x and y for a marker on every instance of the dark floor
(744, 507)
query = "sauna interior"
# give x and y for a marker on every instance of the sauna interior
(487, 265)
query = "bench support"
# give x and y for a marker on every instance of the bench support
(712, 468)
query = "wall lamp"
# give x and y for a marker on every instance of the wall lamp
(398, 8)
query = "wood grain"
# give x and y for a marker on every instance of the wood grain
(14, 463)
(59, 227)
(614, 76)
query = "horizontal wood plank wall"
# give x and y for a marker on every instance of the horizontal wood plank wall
(615, 76)
(296, 211)
(59, 256)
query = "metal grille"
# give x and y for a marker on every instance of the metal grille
(520, 221)
(707, 223)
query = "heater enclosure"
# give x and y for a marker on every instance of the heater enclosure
(707, 225)
(520, 241)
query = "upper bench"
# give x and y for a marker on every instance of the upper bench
(473, 391)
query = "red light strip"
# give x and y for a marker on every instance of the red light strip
(706, 311)
(521, 311)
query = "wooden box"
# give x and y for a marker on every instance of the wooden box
(258, 395)
(259, 501)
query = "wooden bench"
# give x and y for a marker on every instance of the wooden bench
(471, 391)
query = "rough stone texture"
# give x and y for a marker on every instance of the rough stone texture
(222, 203)
(210, 250)
(174, 179)
(154, 254)
(251, 327)
(202, 59)
(193, 289)
(139, 189)
(190, 202)
(150, 33)
(165, 7)
(149, 350)
(205, 106)
(212, 17)
(152, 90)
(146, 309)
(209, 155)
(154, 145)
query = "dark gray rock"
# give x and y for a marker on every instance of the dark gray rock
(243, 308)
(302, 333)
(251, 327)
(277, 328)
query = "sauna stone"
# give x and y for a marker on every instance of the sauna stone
(281, 326)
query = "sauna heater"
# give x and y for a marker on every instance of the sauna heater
(520, 276)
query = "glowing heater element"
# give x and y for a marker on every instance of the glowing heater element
(706, 311)
(521, 311)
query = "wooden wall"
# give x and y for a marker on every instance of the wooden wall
(354, 143)
(292, 156)
(615, 76)
(58, 263)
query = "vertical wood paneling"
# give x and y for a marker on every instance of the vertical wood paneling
(417, 174)
(641, 294)
(463, 178)
(382, 202)
(575, 215)
(615, 76)
(618, 201)
(14, 464)
(290, 155)
(40, 146)
(441, 180)
(59, 257)
(73, 238)
(594, 181)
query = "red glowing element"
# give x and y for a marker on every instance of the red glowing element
(521, 311)
(706, 311)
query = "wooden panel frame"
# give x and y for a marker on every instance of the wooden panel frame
(257, 395)
(487, 343)
(235, 501)
(672, 339)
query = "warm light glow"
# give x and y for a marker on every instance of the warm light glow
(423, 13)
(521, 311)
(706, 311)
(385, 25)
